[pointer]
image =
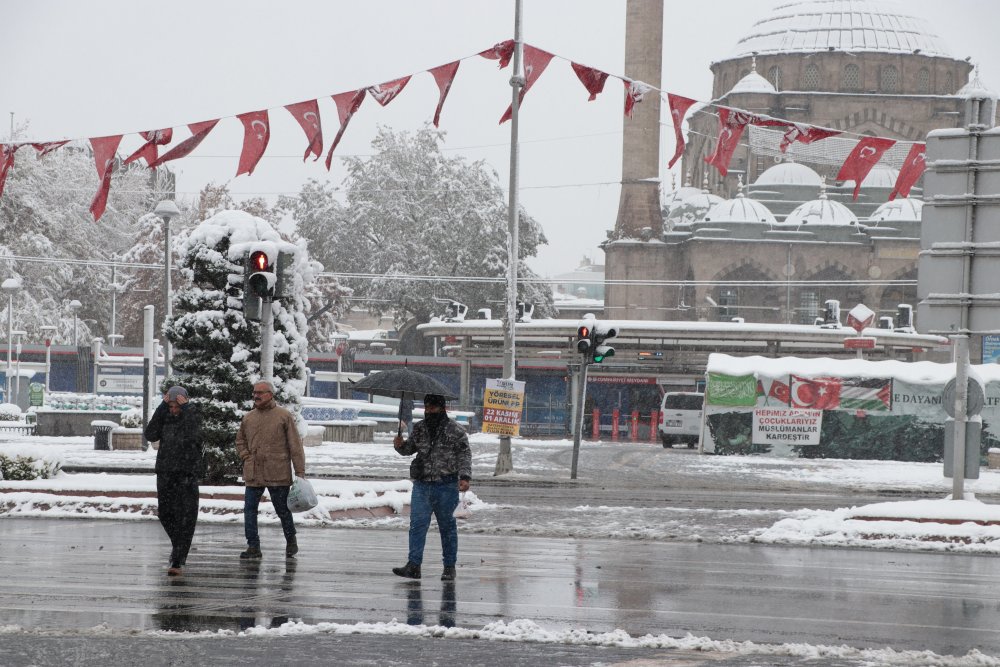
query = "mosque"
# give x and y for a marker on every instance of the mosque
(779, 235)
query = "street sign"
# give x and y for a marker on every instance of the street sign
(860, 318)
(36, 394)
(859, 343)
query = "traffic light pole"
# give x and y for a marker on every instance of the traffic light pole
(581, 393)
(266, 335)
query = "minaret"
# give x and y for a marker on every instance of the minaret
(639, 205)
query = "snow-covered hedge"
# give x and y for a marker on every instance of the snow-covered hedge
(26, 468)
(9, 412)
(131, 419)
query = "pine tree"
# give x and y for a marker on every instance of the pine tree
(216, 350)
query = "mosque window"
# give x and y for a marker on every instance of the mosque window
(808, 307)
(810, 78)
(949, 83)
(923, 81)
(774, 76)
(729, 303)
(890, 79)
(852, 77)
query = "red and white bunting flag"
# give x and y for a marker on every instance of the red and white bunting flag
(443, 75)
(635, 92)
(916, 163)
(256, 134)
(104, 160)
(535, 62)
(148, 151)
(49, 146)
(804, 134)
(732, 124)
(307, 115)
(198, 133)
(386, 92)
(502, 51)
(815, 393)
(6, 162)
(592, 79)
(678, 107)
(861, 160)
(773, 388)
(347, 105)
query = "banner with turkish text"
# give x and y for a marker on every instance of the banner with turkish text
(503, 402)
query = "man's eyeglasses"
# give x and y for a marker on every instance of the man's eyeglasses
(260, 393)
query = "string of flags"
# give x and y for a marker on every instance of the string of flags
(257, 128)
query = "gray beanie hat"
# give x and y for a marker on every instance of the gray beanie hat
(176, 391)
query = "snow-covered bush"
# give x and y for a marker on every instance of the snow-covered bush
(27, 468)
(9, 412)
(131, 419)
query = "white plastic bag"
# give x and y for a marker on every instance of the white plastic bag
(301, 497)
(462, 511)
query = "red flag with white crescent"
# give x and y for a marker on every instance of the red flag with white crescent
(635, 92)
(443, 75)
(804, 134)
(592, 79)
(48, 146)
(384, 93)
(256, 134)
(104, 160)
(148, 150)
(535, 62)
(732, 124)
(307, 115)
(815, 393)
(347, 104)
(198, 133)
(6, 162)
(861, 160)
(913, 167)
(502, 51)
(678, 107)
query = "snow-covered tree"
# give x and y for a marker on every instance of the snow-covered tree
(216, 350)
(412, 210)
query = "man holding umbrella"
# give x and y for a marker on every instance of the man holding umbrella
(442, 468)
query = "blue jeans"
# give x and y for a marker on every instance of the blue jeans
(279, 498)
(439, 499)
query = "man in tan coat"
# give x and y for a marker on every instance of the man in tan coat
(268, 442)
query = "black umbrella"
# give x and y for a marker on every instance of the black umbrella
(401, 383)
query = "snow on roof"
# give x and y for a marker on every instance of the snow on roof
(753, 83)
(881, 176)
(740, 209)
(903, 209)
(976, 88)
(789, 173)
(820, 211)
(916, 372)
(841, 25)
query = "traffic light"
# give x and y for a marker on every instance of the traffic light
(601, 334)
(258, 281)
(583, 342)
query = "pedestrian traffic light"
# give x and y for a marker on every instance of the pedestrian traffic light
(258, 279)
(583, 342)
(602, 333)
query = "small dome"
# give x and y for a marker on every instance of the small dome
(789, 173)
(976, 89)
(905, 210)
(880, 176)
(753, 83)
(740, 209)
(821, 211)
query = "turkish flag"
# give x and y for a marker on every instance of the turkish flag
(6, 162)
(732, 124)
(502, 51)
(916, 163)
(347, 104)
(386, 92)
(816, 393)
(104, 160)
(861, 160)
(198, 133)
(307, 115)
(148, 151)
(444, 75)
(804, 134)
(592, 79)
(678, 107)
(535, 62)
(256, 134)
(635, 92)
(47, 147)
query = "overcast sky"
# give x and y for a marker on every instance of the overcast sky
(82, 68)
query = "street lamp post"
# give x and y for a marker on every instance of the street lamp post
(75, 306)
(167, 210)
(17, 369)
(10, 286)
(48, 331)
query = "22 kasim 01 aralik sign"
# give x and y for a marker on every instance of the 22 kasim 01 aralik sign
(503, 402)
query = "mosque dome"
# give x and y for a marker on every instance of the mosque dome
(693, 207)
(904, 209)
(820, 211)
(740, 209)
(789, 173)
(881, 176)
(809, 26)
(976, 88)
(753, 83)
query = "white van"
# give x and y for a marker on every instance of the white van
(680, 417)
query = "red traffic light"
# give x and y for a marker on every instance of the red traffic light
(259, 261)
(583, 332)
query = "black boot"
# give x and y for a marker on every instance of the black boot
(291, 547)
(449, 573)
(410, 571)
(252, 553)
